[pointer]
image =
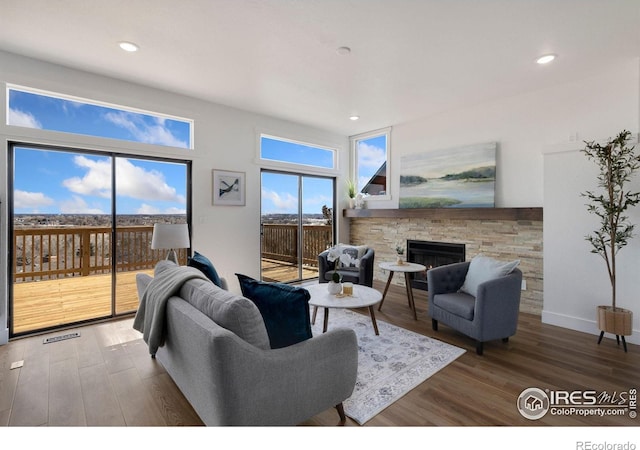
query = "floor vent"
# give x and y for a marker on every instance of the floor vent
(61, 338)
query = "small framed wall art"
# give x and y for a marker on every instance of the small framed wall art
(228, 188)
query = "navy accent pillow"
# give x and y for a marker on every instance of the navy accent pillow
(202, 263)
(284, 309)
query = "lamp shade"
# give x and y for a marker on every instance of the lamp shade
(170, 236)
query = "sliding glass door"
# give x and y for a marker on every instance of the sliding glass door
(81, 227)
(297, 223)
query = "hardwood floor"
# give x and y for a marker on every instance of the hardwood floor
(106, 377)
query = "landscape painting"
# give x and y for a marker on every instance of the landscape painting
(461, 177)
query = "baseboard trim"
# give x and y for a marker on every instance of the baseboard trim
(4, 336)
(580, 324)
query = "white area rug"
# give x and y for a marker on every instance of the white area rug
(389, 365)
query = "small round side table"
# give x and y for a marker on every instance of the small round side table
(407, 268)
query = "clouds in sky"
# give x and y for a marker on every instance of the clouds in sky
(31, 200)
(154, 133)
(51, 112)
(282, 202)
(23, 119)
(90, 191)
(131, 181)
(371, 156)
(370, 159)
(77, 205)
(146, 209)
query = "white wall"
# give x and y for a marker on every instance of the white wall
(575, 280)
(527, 127)
(523, 126)
(225, 138)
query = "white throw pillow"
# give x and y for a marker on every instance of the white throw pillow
(350, 255)
(484, 268)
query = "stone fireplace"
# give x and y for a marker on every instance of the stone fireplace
(502, 233)
(432, 254)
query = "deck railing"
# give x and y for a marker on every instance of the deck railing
(280, 242)
(49, 253)
(57, 252)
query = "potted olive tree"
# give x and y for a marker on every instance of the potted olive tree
(617, 162)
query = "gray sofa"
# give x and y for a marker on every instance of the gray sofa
(492, 314)
(217, 351)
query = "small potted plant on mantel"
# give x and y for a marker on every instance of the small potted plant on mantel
(351, 193)
(617, 163)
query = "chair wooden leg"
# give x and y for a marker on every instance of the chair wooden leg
(624, 344)
(479, 348)
(600, 338)
(434, 324)
(343, 417)
(505, 340)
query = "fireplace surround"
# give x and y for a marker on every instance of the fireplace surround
(502, 233)
(432, 254)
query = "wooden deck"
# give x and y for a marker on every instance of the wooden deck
(50, 303)
(273, 270)
(44, 304)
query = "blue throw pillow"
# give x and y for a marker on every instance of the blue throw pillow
(202, 263)
(284, 309)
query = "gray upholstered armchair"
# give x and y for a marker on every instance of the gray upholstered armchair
(358, 275)
(492, 314)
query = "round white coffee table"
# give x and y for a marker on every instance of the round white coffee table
(363, 296)
(407, 268)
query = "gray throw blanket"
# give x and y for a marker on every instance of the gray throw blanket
(150, 318)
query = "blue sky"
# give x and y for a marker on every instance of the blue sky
(372, 154)
(57, 182)
(280, 191)
(51, 113)
(280, 194)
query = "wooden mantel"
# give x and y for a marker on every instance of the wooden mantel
(534, 214)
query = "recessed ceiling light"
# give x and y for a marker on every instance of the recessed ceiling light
(128, 46)
(546, 59)
(354, 117)
(343, 51)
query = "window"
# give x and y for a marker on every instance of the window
(291, 152)
(55, 112)
(371, 156)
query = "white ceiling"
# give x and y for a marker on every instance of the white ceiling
(409, 59)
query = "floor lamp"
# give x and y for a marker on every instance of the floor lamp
(170, 236)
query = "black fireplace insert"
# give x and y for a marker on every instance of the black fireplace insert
(432, 254)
